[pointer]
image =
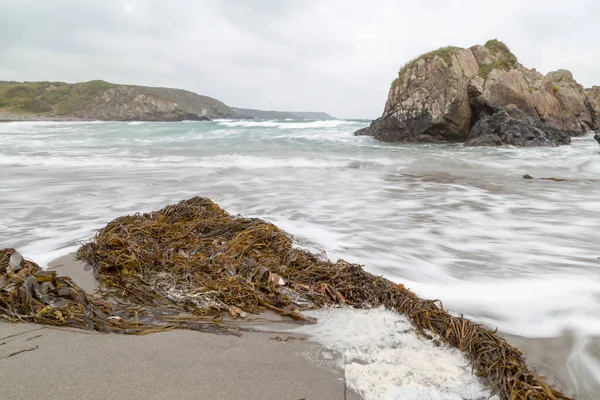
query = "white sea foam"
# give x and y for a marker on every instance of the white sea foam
(384, 358)
(285, 124)
(224, 161)
(541, 313)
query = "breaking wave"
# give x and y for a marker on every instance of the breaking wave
(287, 124)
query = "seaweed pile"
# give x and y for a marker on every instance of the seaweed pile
(28, 293)
(195, 259)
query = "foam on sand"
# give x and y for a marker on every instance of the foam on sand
(385, 358)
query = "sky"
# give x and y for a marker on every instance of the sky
(336, 56)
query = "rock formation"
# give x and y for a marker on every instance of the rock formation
(125, 103)
(484, 96)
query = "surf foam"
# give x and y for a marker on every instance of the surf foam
(384, 358)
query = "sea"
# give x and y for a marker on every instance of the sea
(453, 223)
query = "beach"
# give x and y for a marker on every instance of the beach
(182, 364)
(451, 223)
(267, 361)
(175, 364)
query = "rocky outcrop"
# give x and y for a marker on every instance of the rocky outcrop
(125, 103)
(454, 94)
(429, 100)
(191, 103)
(514, 127)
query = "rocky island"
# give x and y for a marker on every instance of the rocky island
(482, 95)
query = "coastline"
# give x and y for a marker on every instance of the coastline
(253, 354)
(66, 364)
(176, 364)
(39, 118)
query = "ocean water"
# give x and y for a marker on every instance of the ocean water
(452, 223)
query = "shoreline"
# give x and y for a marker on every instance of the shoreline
(265, 362)
(53, 363)
(41, 118)
(38, 118)
(553, 358)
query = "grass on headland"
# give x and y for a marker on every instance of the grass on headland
(45, 97)
(505, 59)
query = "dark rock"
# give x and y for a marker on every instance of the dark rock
(485, 140)
(514, 127)
(362, 132)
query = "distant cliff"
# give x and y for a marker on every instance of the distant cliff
(100, 100)
(483, 96)
(261, 114)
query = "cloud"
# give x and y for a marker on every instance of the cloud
(337, 56)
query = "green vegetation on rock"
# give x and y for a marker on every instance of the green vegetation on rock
(106, 101)
(505, 59)
(445, 53)
(80, 95)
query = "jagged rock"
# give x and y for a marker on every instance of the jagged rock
(125, 103)
(440, 96)
(575, 117)
(503, 88)
(513, 127)
(429, 101)
(483, 55)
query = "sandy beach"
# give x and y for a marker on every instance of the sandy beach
(46, 362)
(169, 365)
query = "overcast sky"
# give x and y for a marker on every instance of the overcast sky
(337, 56)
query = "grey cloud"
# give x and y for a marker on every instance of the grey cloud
(337, 56)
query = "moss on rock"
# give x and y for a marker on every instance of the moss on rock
(445, 53)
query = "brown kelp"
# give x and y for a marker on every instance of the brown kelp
(195, 258)
(30, 294)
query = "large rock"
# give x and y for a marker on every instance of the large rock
(429, 100)
(514, 127)
(441, 96)
(503, 88)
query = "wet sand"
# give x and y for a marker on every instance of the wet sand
(186, 364)
(53, 363)
(63, 364)
(563, 361)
